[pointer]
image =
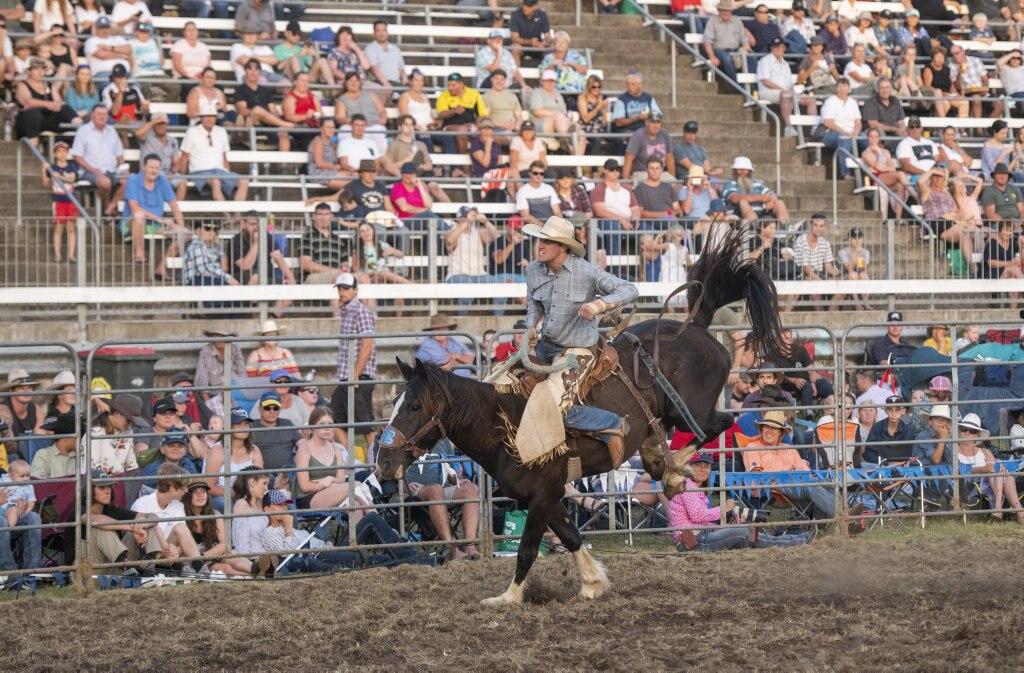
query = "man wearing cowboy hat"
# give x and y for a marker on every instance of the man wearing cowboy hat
(723, 35)
(18, 411)
(210, 369)
(569, 294)
(445, 351)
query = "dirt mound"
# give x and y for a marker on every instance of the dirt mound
(915, 602)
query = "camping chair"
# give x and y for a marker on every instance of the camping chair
(890, 497)
(826, 438)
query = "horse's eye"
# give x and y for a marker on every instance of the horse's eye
(414, 407)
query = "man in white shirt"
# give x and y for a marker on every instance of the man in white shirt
(242, 52)
(128, 13)
(97, 148)
(165, 503)
(104, 51)
(775, 81)
(536, 200)
(204, 149)
(357, 147)
(841, 117)
(917, 155)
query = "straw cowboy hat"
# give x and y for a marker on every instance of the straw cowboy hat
(19, 377)
(696, 173)
(62, 379)
(269, 326)
(558, 230)
(727, 5)
(440, 322)
(774, 419)
(219, 331)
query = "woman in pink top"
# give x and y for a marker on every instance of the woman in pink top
(692, 508)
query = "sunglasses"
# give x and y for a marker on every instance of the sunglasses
(540, 173)
(315, 391)
(596, 86)
(211, 227)
(272, 407)
(610, 170)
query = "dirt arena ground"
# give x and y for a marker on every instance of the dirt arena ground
(918, 601)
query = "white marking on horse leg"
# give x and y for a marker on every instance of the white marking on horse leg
(512, 596)
(394, 412)
(595, 581)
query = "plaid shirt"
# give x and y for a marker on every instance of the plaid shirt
(973, 77)
(356, 319)
(203, 261)
(557, 297)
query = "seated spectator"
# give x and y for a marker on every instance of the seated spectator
(863, 34)
(833, 39)
(892, 345)
(18, 496)
(917, 155)
(270, 355)
(412, 200)
(205, 263)
(750, 197)
(248, 255)
(981, 32)
(484, 150)
(260, 15)
(323, 164)
(321, 480)
(254, 105)
(447, 352)
(631, 109)
(104, 51)
(650, 141)
(798, 29)
(98, 150)
(293, 58)
(860, 73)
(154, 139)
(690, 153)
(800, 379)
(18, 411)
(113, 448)
(974, 458)
(405, 148)
(293, 408)
(570, 67)
(939, 83)
(493, 57)
(970, 78)
(616, 207)
(907, 80)
(346, 57)
(147, 194)
(81, 94)
(209, 533)
(204, 149)
(467, 243)
(240, 446)
(572, 198)
(371, 193)
(190, 56)
(60, 459)
(355, 102)
(882, 165)
(536, 200)
(767, 251)
(40, 107)
(248, 50)
(883, 111)
(885, 441)
(958, 161)
(1002, 200)
(206, 94)
(385, 60)
(279, 537)
(840, 115)
(322, 254)
(357, 147)
(373, 258)
(415, 103)
(762, 30)
(775, 82)
(247, 496)
(172, 451)
(112, 526)
(459, 107)
(817, 71)
(530, 31)
(814, 257)
(724, 34)
(854, 260)
(504, 110)
(938, 339)
(525, 150)
(657, 199)
(431, 480)
(1002, 256)
(549, 109)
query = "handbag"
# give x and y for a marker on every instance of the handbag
(819, 131)
(821, 78)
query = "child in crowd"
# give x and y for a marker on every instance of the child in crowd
(60, 177)
(23, 53)
(215, 426)
(21, 497)
(351, 211)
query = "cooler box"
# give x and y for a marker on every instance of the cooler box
(124, 368)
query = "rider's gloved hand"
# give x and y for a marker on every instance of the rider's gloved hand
(531, 337)
(594, 308)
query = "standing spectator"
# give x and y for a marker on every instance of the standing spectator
(634, 105)
(293, 58)
(569, 65)
(98, 150)
(205, 151)
(154, 139)
(657, 199)
(302, 107)
(775, 82)
(492, 57)
(536, 200)
(260, 15)
(467, 245)
(549, 109)
(104, 51)
(412, 200)
(892, 345)
(690, 153)
(125, 101)
(1011, 74)
(854, 260)
(110, 454)
(572, 198)
(254, 105)
(594, 111)
(1002, 200)
(650, 141)
(205, 263)
(459, 107)
(916, 154)
(724, 34)
(323, 254)
(531, 31)
(385, 60)
(60, 177)
(813, 254)
(883, 111)
(147, 194)
(504, 109)
(616, 207)
(355, 319)
(210, 366)
(190, 56)
(40, 107)
(246, 50)
(841, 116)
(346, 57)
(750, 197)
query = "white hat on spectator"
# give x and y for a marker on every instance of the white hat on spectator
(270, 326)
(973, 422)
(742, 164)
(18, 378)
(940, 411)
(61, 380)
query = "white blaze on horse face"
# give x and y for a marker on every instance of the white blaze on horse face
(398, 405)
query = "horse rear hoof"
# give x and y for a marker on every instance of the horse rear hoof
(675, 483)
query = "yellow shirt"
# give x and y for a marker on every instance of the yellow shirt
(470, 99)
(945, 348)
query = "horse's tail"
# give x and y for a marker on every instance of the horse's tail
(725, 275)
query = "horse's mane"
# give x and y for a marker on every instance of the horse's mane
(467, 403)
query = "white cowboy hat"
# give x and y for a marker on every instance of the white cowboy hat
(742, 164)
(558, 230)
(696, 172)
(269, 326)
(62, 379)
(17, 378)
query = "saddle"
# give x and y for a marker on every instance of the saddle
(606, 361)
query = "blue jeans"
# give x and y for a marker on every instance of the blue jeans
(611, 240)
(824, 498)
(579, 417)
(834, 140)
(466, 278)
(727, 65)
(783, 539)
(720, 539)
(31, 543)
(795, 42)
(197, 8)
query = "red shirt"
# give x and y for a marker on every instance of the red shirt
(412, 198)
(681, 439)
(504, 351)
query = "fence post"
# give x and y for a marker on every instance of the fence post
(226, 468)
(432, 267)
(350, 405)
(954, 430)
(264, 240)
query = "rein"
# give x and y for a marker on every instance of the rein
(392, 438)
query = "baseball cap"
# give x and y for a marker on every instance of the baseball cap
(520, 324)
(893, 400)
(294, 28)
(894, 316)
(776, 42)
(147, 27)
(912, 12)
(270, 396)
(690, 127)
(798, 6)
(103, 22)
(464, 211)
(181, 377)
(939, 383)
(173, 438)
(345, 280)
(914, 122)
(611, 165)
(885, 14)
(239, 415)
(497, 73)
(548, 75)
(655, 117)
(119, 70)
(159, 118)
(495, 33)
(856, 232)
(530, 3)
(528, 126)
(278, 496)
(702, 458)
(455, 77)
(278, 374)
(163, 404)
(485, 123)
(564, 172)
(59, 144)
(408, 167)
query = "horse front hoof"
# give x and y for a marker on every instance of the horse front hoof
(512, 596)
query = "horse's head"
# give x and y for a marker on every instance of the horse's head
(415, 425)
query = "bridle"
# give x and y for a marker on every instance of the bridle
(393, 438)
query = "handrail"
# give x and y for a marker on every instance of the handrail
(867, 172)
(74, 199)
(700, 58)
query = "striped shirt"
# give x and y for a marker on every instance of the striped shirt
(356, 319)
(816, 258)
(691, 508)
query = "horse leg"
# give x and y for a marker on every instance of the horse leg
(595, 581)
(678, 464)
(654, 452)
(537, 518)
